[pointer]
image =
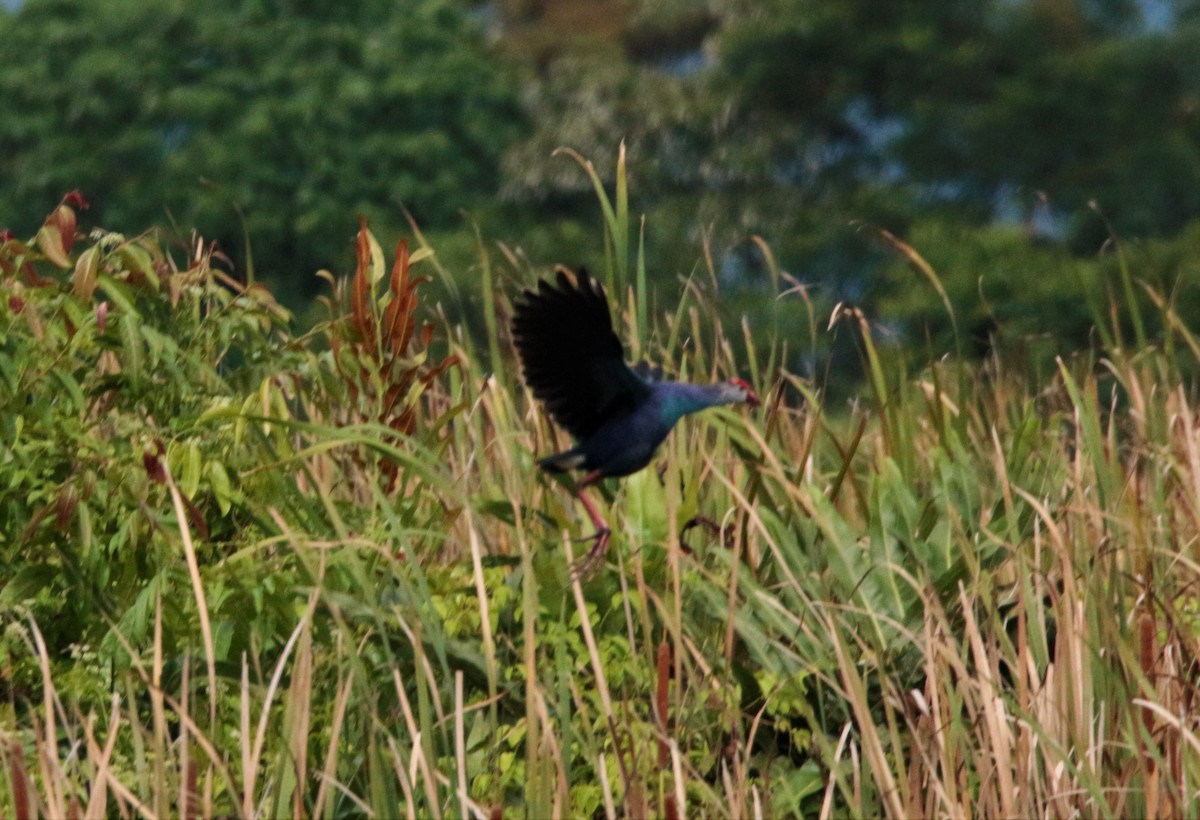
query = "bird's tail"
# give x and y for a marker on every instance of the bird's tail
(561, 462)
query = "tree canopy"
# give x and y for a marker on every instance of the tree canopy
(293, 117)
(1009, 126)
(799, 122)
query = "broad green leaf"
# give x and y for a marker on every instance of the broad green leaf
(187, 464)
(222, 489)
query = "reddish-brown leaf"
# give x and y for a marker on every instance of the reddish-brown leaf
(371, 349)
(441, 367)
(400, 269)
(405, 423)
(64, 507)
(664, 681)
(360, 317)
(396, 318)
(12, 250)
(77, 200)
(57, 235)
(63, 218)
(154, 468)
(18, 780)
(394, 393)
(191, 796)
(401, 343)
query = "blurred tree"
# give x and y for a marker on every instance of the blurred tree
(297, 115)
(1074, 111)
(974, 102)
(990, 123)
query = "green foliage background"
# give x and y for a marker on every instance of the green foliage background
(265, 123)
(806, 123)
(244, 563)
(271, 124)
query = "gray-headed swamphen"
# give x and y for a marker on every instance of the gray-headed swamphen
(573, 362)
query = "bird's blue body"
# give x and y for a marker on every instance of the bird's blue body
(618, 415)
(627, 441)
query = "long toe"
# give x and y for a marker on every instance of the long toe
(588, 564)
(726, 533)
(601, 532)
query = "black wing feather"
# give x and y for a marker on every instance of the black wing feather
(571, 358)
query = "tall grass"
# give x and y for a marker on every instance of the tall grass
(965, 594)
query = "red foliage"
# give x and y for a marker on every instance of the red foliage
(75, 198)
(18, 780)
(664, 681)
(375, 351)
(154, 468)
(54, 239)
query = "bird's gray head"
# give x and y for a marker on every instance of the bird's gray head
(737, 391)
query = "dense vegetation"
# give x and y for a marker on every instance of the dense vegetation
(262, 566)
(259, 574)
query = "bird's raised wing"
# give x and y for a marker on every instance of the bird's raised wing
(571, 358)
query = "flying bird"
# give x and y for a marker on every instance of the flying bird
(618, 415)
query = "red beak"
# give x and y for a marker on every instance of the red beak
(751, 397)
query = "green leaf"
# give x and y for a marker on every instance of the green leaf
(28, 583)
(135, 258)
(187, 464)
(70, 386)
(132, 355)
(218, 477)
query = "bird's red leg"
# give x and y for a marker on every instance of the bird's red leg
(602, 535)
